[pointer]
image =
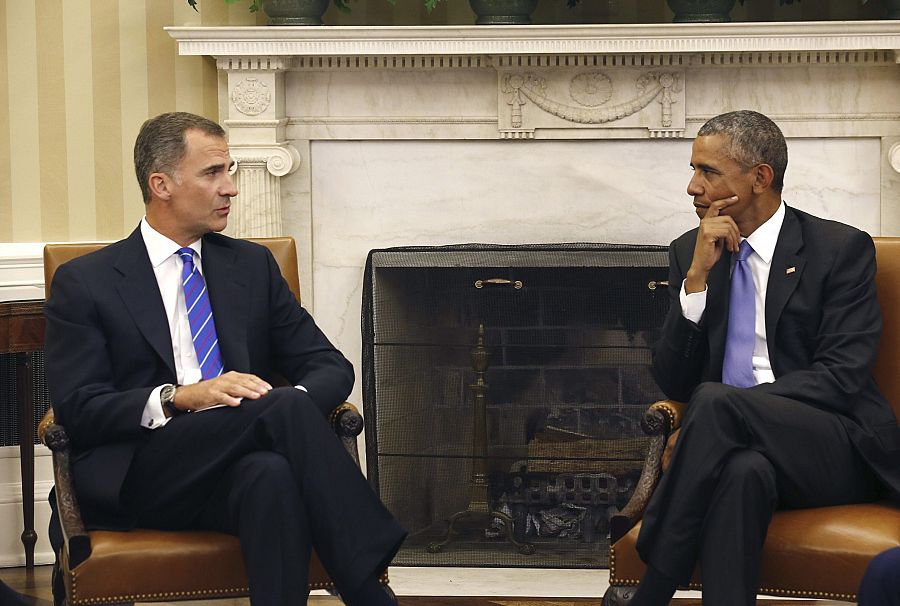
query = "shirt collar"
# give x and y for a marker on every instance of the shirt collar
(159, 247)
(765, 237)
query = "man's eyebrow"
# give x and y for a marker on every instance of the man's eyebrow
(705, 167)
(217, 166)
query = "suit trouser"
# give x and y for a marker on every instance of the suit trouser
(881, 583)
(740, 455)
(272, 472)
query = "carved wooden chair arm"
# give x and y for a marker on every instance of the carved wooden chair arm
(54, 437)
(348, 424)
(660, 419)
(664, 417)
(346, 420)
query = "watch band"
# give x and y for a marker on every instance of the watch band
(167, 399)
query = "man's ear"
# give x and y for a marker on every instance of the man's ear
(160, 185)
(763, 177)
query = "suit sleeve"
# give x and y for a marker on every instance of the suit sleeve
(300, 350)
(79, 370)
(844, 346)
(680, 354)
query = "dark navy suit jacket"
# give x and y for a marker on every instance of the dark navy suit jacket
(108, 345)
(823, 324)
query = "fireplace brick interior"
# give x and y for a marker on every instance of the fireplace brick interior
(567, 382)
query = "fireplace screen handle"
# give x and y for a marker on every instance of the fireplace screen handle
(498, 282)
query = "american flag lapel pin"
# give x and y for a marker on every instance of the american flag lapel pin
(790, 270)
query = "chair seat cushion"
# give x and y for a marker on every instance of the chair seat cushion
(814, 553)
(152, 565)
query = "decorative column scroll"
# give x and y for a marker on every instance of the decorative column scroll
(257, 209)
(894, 156)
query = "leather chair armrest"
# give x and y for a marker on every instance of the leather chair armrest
(660, 419)
(347, 423)
(54, 437)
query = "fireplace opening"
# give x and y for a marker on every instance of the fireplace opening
(503, 391)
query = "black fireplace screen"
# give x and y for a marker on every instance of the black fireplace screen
(503, 390)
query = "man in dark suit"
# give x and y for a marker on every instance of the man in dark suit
(771, 339)
(162, 350)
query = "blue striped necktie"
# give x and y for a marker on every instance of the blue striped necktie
(737, 369)
(203, 328)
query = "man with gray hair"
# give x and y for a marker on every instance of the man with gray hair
(771, 338)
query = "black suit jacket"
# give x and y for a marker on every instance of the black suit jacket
(823, 324)
(108, 345)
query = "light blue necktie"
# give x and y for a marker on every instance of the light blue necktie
(737, 369)
(203, 328)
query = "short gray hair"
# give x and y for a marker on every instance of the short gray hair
(161, 144)
(752, 139)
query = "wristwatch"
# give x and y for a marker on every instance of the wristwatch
(167, 399)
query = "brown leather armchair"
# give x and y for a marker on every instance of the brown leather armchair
(809, 553)
(105, 567)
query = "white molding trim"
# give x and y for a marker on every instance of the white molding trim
(21, 271)
(11, 551)
(12, 452)
(666, 38)
(11, 492)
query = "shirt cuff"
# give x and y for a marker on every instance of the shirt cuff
(154, 417)
(301, 388)
(693, 305)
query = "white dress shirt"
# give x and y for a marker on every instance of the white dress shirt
(167, 265)
(763, 242)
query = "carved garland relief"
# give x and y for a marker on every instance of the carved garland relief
(591, 99)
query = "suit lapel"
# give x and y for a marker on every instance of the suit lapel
(140, 295)
(784, 275)
(230, 301)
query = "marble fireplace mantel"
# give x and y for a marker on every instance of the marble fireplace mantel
(355, 138)
(537, 39)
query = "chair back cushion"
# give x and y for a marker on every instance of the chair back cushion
(284, 250)
(887, 279)
(57, 254)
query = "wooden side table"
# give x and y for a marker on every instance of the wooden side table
(21, 334)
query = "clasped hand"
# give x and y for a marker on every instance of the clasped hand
(227, 389)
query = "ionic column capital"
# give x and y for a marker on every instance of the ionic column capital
(279, 160)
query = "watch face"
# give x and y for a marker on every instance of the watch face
(167, 394)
